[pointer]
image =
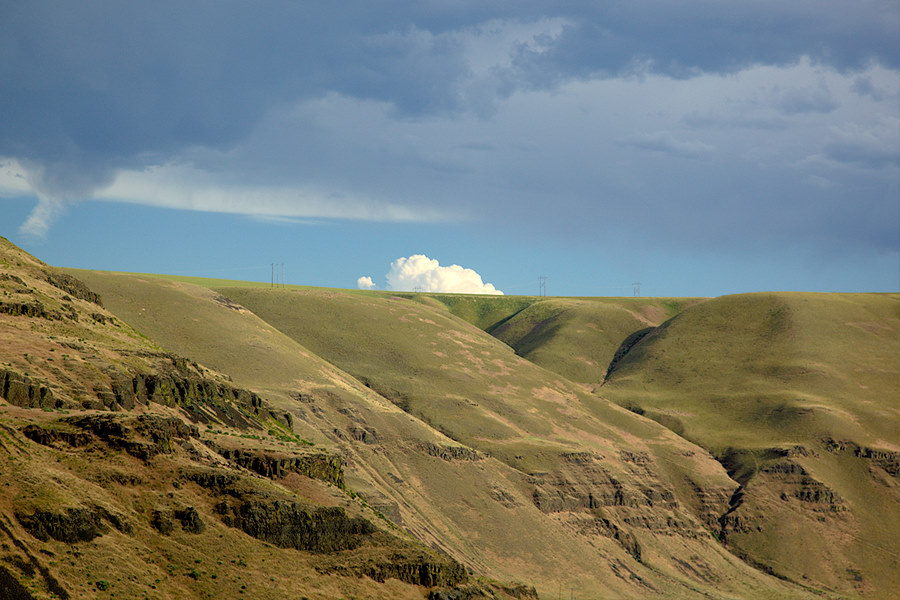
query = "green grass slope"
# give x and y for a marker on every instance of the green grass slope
(484, 312)
(438, 490)
(578, 337)
(516, 471)
(105, 440)
(799, 395)
(572, 450)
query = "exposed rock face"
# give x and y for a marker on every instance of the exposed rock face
(24, 309)
(290, 525)
(366, 435)
(802, 486)
(419, 567)
(886, 459)
(208, 400)
(190, 520)
(164, 520)
(176, 384)
(23, 391)
(322, 466)
(419, 571)
(794, 483)
(73, 286)
(71, 526)
(712, 503)
(143, 437)
(37, 309)
(590, 486)
(595, 501)
(214, 480)
(451, 453)
(49, 437)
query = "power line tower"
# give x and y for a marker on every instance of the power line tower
(542, 286)
(637, 288)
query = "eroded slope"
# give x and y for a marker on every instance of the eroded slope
(132, 471)
(799, 396)
(596, 473)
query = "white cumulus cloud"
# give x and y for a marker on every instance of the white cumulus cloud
(420, 273)
(365, 283)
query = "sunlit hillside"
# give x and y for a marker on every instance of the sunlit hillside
(244, 441)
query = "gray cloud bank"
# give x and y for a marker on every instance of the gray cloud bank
(700, 122)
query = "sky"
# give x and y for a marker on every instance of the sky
(699, 148)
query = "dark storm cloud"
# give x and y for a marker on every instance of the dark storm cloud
(864, 87)
(684, 39)
(105, 84)
(99, 86)
(667, 144)
(805, 100)
(865, 152)
(405, 101)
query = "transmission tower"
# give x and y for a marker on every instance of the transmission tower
(637, 288)
(542, 286)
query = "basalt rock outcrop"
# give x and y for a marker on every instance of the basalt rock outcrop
(451, 453)
(49, 436)
(595, 501)
(411, 565)
(72, 525)
(164, 520)
(291, 525)
(483, 592)
(583, 483)
(73, 286)
(885, 459)
(24, 391)
(143, 436)
(419, 570)
(315, 465)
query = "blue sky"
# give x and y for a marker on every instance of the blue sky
(700, 147)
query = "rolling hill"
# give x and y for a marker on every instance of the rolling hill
(799, 397)
(235, 440)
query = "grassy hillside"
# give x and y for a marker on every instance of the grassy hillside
(448, 438)
(799, 395)
(510, 493)
(578, 337)
(132, 472)
(475, 390)
(792, 367)
(484, 312)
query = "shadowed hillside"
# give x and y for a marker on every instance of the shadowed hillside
(579, 337)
